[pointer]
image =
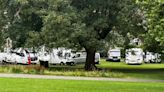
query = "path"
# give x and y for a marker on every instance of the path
(76, 78)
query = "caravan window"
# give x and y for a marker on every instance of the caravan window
(60, 53)
(78, 55)
(67, 54)
(20, 54)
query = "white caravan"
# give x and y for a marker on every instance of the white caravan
(114, 55)
(59, 56)
(134, 56)
(43, 55)
(151, 57)
(80, 57)
(56, 56)
(97, 58)
(3, 57)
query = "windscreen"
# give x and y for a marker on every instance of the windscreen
(114, 53)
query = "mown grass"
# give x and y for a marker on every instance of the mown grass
(146, 71)
(44, 85)
(123, 65)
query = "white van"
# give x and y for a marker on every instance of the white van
(114, 55)
(134, 56)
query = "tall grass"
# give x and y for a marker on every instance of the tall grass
(58, 72)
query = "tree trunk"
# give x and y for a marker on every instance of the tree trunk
(90, 60)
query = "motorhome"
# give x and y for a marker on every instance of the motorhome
(114, 55)
(134, 56)
(21, 56)
(151, 57)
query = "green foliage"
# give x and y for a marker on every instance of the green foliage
(20, 18)
(154, 39)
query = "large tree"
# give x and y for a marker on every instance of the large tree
(86, 24)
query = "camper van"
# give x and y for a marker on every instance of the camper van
(134, 56)
(114, 55)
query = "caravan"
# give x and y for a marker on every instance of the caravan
(55, 56)
(80, 57)
(59, 56)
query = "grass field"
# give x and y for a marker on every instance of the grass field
(146, 71)
(42, 85)
(123, 65)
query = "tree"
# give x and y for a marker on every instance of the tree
(154, 39)
(3, 23)
(83, 24)
(79, 24)
(21, 18)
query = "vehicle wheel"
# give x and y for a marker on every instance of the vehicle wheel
(61, 63)
(151, 61)
(97, 62)
(15, 63)
(108, 60)
(3, 62)
(72, 63)
(159, 62)
(146, 62)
